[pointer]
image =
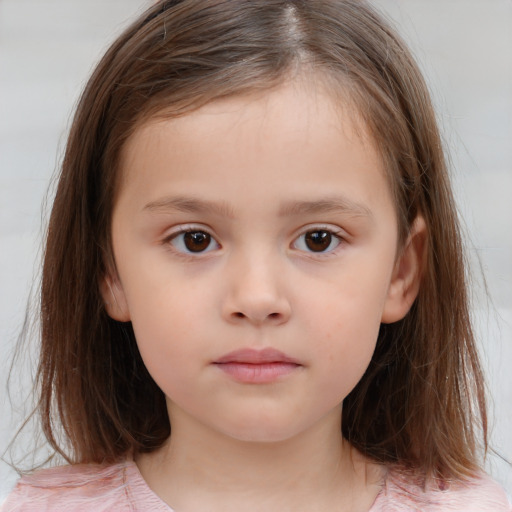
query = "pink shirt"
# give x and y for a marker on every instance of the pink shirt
(121, 488)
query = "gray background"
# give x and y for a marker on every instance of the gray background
(47, 50)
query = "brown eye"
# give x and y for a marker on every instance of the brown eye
(318, 241)
(196, 241)
(193, 242)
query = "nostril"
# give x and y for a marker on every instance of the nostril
(239, 314)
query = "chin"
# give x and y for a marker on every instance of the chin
(261, 431)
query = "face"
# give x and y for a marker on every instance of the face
(255, 242)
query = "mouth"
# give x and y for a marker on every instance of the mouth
(251, 366)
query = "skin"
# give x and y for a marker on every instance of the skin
(256, 174)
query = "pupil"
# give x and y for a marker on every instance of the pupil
(197, 241)
(318, 241)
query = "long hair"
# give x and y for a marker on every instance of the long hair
(421, 401)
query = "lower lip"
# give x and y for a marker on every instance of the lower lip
(261, 373)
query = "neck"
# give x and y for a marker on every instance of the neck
(200, 469)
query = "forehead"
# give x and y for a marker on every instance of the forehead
(300, 111)
(290, 142)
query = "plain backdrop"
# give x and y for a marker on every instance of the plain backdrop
(47, 51)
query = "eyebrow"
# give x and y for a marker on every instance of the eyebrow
(189, 205)
(186, 204)
(336, 204)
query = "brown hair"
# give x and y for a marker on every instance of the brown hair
(420, 403)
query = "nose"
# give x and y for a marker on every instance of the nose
(256, 293)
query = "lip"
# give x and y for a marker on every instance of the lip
(252, 366)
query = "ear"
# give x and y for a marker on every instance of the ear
(407, 274)
(114, 298)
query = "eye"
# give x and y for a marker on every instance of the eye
(193, 241)
(317, 240)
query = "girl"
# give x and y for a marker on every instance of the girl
(253, 292)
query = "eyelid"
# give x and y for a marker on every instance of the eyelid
(322, 226)
(183, 228)
(336, 231)
(187, 228)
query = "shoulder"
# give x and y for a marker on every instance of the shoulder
(78, 488)
(403, 493)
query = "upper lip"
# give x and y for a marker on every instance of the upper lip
(254, 356)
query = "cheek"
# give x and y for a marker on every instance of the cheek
(164, 343)
(173, 323)
(348, 341)
(159, 319)
(344, 328)
(164, 302)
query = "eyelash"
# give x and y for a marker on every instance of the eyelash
(184, 230)
(334, 236)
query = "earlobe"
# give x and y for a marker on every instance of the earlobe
(407, 274)
(114, 298)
